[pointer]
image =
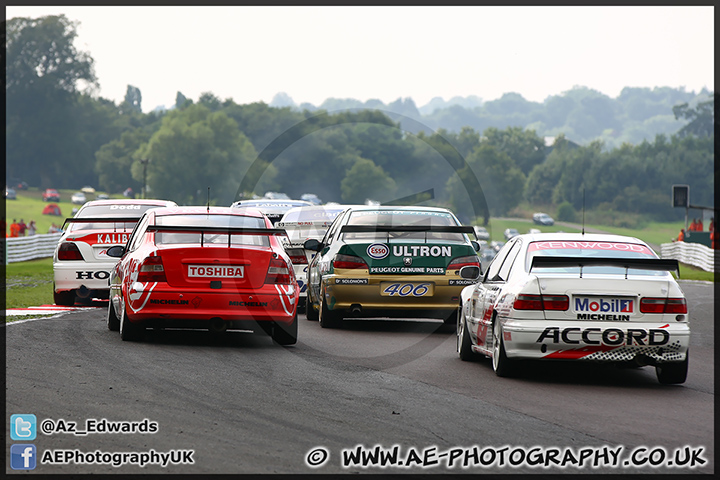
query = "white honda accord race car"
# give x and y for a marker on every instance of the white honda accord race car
(81, 265)
(580, 297)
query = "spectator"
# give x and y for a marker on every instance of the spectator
(32, 229)
(129, 193)
(23, 227)
(14, 229)
(53, 228)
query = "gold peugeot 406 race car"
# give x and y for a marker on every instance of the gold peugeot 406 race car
(378, 261)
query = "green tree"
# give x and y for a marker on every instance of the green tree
(44, 76)
(501, 184)
(133, 100)
(114, 161)
(523, 146)
(365, 180)
(702, 118)
(195, 149)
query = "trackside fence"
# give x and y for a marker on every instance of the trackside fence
(695, 254)
(20, 249)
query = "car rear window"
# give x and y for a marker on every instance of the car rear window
(590, 249)
(304, 224)
(211, 220)
(401, 218)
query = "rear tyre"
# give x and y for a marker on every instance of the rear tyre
(130, 331)
(310, 312)
(65, 299)
(284, 334)
(327, 318)
(113, 322)
(502, 365)
(464, 344)
(672, 373)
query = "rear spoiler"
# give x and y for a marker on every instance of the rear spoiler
(219, 230)
(407, 228)
(99, 220)
(660, 264)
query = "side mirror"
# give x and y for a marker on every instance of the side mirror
(470, 272)
(313, 245)
(116, 252)
(476, 245)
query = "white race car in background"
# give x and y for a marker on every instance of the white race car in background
(273, 208)
(81, 266)
(303, 223)
(562, 296)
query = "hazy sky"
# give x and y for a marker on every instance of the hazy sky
(312, 53)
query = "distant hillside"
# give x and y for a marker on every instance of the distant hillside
(581, 114)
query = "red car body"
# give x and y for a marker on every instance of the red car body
(212, 268)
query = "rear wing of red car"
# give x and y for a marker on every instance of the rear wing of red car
(659, 264)
(229, 231)
(408, 228)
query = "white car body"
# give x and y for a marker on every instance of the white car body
(621, 306)
(272, 208)
(303, 223)
(86, 238)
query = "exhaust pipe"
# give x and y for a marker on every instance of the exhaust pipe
(83, 292)
(217, 325)
(355, 309)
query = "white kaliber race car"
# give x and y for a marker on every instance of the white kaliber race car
(81, 265)
(303, 223)
(581, 297)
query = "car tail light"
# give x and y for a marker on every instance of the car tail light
(278, 272)
(69, 251)
(663, 305)
(541, 302)
(151, 270)
(297, 256)
(459, 262)
(348, 261)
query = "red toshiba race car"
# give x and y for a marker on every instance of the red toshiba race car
(212, 268)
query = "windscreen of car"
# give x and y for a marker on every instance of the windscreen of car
(303, 224)
(590, 249)
(109, 211)
(401, 218)
(210, 220)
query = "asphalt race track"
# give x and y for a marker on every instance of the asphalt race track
(240, 404)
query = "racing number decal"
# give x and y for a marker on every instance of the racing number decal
(404, 290)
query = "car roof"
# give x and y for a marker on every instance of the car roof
(212, 210)
(588, 237)
(271, 202)
(390, 208)
(129, 201)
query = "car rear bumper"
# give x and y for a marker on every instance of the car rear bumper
(275, 303)
(644, 342)
(367, 297)
(76, 275)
